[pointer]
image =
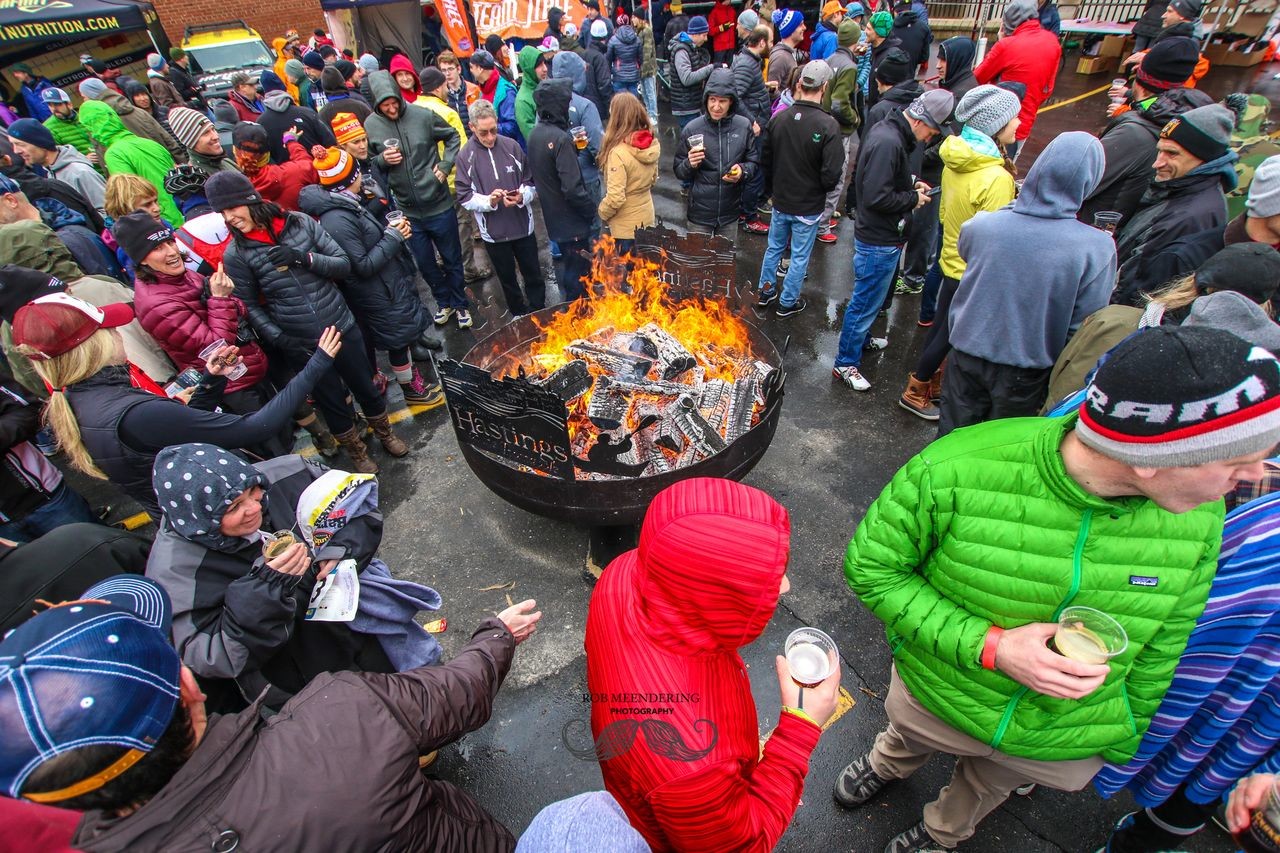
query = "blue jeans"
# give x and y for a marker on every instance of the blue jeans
(65, 506)
(433, 234)
(649, 94)
(929, 296)
(633, 88)
(873, 269)
(800, 232)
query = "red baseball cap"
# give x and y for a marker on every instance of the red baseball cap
(58, 323)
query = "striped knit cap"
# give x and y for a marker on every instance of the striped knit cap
(1178, 396)
(188, 125)
(336, 168)
(346, 128)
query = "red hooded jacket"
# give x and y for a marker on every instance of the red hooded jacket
(668, 619)
(1030, 56)
(400, 62)
(282, 183)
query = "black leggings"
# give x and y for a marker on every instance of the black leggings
(351, 370)
(938, 343)
(1180, 817)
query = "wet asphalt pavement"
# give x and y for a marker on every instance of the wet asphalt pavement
(833, 452)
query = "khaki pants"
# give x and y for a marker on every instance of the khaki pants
(467, 233)
(983, 778)
(850, 160)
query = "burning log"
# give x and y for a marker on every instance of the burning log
(569, 382)
(607, 409)
(656, 387)
(672, 355)
(700, 434)
(611, 360)
(742, 403)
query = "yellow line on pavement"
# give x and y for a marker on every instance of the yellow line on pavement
(844, 704)
(1096, 91)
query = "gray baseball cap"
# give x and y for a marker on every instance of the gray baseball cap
(815, 73)
(933, 108)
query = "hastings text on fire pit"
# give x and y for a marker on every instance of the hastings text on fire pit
(586, 410)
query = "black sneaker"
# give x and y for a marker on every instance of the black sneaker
(914, 840)
(766, 297)
(858, 784)
(794, 308)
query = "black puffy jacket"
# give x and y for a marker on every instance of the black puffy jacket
(290, 308)
(687, 76)
(713, 201)
(754, 100)
(380, 289)
(915, 36)
(566, 206)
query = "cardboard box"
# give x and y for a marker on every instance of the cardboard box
(1116, 46)
(1251, 23)
(1095, 64)
(1221, 54)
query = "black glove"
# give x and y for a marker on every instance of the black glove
(286, 256)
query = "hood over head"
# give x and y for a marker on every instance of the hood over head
(720, 83)
(382, 86)
(711, 558)
(102, 123)
(567, 65)
(527, 60)
(271, 82)
(400, 62)
(626, 34)
(552, 99)
(28, 243)
(959, 53)
(194, 484)
(1173, 103)
(905, 18)
(277, 102)
(1063, 176)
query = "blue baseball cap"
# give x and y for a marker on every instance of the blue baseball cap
(98, 671)
(54, 95)
(855, 10)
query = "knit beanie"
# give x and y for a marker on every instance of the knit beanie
(155, 61)
(748, 20)
(139, 234)
(787, 21)
(224, 112)
(1017, 13)
(1238, 315)
(346, 68)
(1252, 269)
(431, 78)
(855, 10)
(331, 81)
(32, 132)
(698, 26)
(270, 82)
(1264, 190)
(882, 23)
(313, 60)
(295, 70)
(176, 53)
(933, 107)
(347, 128)
(987, 109)
(92, 88)
(368, 62)
(1189, 9)
(494, 43)
(20, 285)
(1019, 90)
(188, 125)
(599, 29)
(894, 67)
(1205, 131)
(1172, 397)
(848, 33)
(336, 168)
(1168, 64)
(227, 189)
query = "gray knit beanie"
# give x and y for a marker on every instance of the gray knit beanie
(188, 125)
(987, 109)
(295, 70)
(1018, 12)
(368, 62)
(1264, 190)
(91, 88)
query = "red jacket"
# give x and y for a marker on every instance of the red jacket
(31, 826)
(722, 24)
(182, 323)
(282, 183)
(1030, 56)
(668, 619)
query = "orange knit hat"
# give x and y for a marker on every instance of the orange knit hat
(346, 127)
(336, 168)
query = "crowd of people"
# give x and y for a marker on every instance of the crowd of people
(186, 281)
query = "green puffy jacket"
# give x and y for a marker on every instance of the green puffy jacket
(130, 154)
(986, 527)
(526, 111)
(70, 132)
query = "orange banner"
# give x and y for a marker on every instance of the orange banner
(526, 19)
(453, 20)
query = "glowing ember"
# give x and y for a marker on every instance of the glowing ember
(650, 385)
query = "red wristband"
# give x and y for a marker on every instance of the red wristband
(989, 647)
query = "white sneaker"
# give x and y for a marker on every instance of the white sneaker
(850, 376)
(874, 344)
(442, 316)
(464, 318)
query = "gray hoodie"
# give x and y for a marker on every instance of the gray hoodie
(582, 113)
(74, 168)
(1002, 312)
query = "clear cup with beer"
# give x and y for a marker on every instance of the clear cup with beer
(1089, 636)
(579, 134)
(696, 142)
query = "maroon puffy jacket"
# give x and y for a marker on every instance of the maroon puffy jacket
(172, 311)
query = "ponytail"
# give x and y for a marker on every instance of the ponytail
(100, 350)
(59, 417)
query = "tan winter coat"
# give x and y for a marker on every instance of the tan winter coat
(629, 175)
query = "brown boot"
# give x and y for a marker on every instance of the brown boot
(357, 452)
(326, 444)
(935, 384)
(916, 399)
(390, 441)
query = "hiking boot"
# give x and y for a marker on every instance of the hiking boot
(391, 442)
(326, 445)
(442, 316)
(914, 840)
(418, 392)
(876, 344)
(765, 208)
(766, 297)
(464, 318)
(827, 236)
(857, 783)
(356, 451)
(755, 226)
(794, 308)
(935, 384)
(916, 400)
(850, 376)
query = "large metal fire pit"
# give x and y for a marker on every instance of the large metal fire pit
(607, 503)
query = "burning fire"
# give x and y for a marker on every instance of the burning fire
(705, 354)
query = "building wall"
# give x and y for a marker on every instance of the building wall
(271, 18)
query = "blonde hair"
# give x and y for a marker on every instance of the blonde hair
(1181, 292)
(125, 194)
(98, 351)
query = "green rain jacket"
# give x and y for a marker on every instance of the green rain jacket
(526, 112)
(986, 527)
(130, 154)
